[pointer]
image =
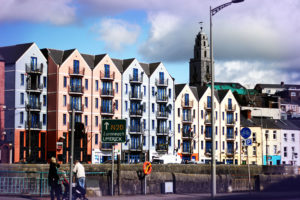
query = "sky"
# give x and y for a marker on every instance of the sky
(255, 41)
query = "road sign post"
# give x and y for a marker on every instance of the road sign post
(113, 131)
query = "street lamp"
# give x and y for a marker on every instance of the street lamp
(213, 161)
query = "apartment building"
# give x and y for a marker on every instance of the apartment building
(25, 102)
(70, 88)
(105, 103)
(186, 122)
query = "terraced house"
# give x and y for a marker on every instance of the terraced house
(26, 102)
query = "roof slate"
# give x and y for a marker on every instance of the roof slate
(12, 53)
(178, 89)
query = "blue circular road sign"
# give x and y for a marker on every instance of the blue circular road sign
(245, 132)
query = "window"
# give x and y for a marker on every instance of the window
(45, 81)
(236, 146)
(194, 113)
(223, 116)
(153, 110)
(126, 106)
(274, 135)
(144, 90)
(117, 87)
(44, 119)
(178, 112)
(194, 129)
(236, 131)
(85, 120)
(236, 117)
(65, 100)
(216, 130)
(153, 141)
(178, 128)
(22, 79)
(64, 119)
(202, 145)
(96, 121)
(293, 137)
(96, 139)
(267, 149)
(22, 98)
(144, 121)
(285, 137)
(254, 151)
(126, 88)
(86, 84)
(96, 102)
(201, 114)
(216, 115)
(293, 94)
(223, 145)
(21, 117)
(170, 142)
(170, 93)
(216, 145)
(153, 91)
(223, 130)
(117, 104)
(170, 125)
(144, 140)
(86, 102)
(285, 151)
(153, 124)
(97, 85)
(76, 66)
(275, 149)
(254, 137)
(44, 100)
(65, 81)
(202, 129)
(178, 143)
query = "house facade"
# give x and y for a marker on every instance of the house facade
(26, 102)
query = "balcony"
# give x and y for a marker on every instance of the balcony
(34, 69)
(77, 72)
(136, 96)
(187, 151)
(187, 104)
(207, 106)
(162, 131)
(107, 111)
(230, 108)
(230, 122)
(135, 147)
(229, 152)
(106, 146)
(107, 76)
(230, 137)
(207, 152)
(136, 130)
(187, 119)
(135, 113)
(163, 98)
(108, 93)
(76, 89)
(187, 135)
(34, 106)
(162, 147)
(36, 88)
(162, 115)
(77, 108)
(34, 125)
(207, 121)
(136, 79)
(207, 135)
(162, 83)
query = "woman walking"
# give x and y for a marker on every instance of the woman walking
(53, 179)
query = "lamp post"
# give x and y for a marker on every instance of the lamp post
(213, 161)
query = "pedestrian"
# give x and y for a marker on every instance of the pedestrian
(53, 179)
(80, 173)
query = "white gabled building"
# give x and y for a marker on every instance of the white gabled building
(161, 108)
(186, 121)
(229, 126)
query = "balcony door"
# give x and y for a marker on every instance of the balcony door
(135, 142)
(161, 77)
(33, 63)
(106, 71)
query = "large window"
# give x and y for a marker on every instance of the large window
(76, 66)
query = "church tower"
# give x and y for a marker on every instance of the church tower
(200, 67)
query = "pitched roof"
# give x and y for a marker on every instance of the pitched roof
(127, 62)
(248, 122)
(12, 53)
(286, 125)
(119, 64)
(222, 94)
(201, 90)
(66, 54)
(145, 67)
(195, 92)
(153, 67)
(56, 55)
(98, 58)
(89, 59)
(1, 58)
(266, 123)
(231, 84)
(296, 122)
(283, 86)
(178, 89)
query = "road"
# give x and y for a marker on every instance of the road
(227, 196)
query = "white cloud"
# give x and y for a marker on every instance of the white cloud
(117, 33)
(57, 12)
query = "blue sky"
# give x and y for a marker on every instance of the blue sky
(254, 42)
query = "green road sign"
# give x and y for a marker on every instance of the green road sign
(113, 130)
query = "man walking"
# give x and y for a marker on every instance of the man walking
(80, 173)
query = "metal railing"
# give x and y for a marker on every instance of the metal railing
(162, 82)
(107, 76)
(136, 79)
(34, 87)
(76, 72)
(28, 182)
(34, 68)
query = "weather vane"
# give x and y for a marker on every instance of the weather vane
(201, 23)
